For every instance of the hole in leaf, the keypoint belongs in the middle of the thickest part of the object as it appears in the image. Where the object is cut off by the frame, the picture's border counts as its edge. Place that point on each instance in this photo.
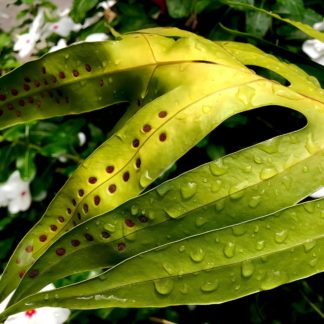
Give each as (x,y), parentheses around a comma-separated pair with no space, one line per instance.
(269,74)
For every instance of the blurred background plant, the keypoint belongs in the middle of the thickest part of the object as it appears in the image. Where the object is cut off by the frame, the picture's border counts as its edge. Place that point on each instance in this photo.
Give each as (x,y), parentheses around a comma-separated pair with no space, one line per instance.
(37,158)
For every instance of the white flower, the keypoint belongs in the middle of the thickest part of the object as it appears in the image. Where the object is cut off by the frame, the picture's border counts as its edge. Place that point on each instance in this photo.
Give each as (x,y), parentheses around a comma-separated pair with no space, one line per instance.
(82,138)
(96,37)
(26,42)
(15,194)
(315,48)
(48,315)
(60,44)
(64,26)
(318,194)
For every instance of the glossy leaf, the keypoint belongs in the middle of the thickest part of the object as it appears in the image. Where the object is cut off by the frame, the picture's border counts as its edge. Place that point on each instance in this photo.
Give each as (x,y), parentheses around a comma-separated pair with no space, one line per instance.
(212,267)
(193,85)
(236,188)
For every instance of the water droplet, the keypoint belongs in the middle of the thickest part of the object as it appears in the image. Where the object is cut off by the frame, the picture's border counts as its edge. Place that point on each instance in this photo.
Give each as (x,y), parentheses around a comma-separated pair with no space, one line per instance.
(287,181)
(172,211)
(217,168)
(182,248)
(239,230)
(46,297)
(260,245)
(270,146)
(110,227)
(310,208)
(169,268)
(257,159)
(164,286)
(267,173)
(188,190)
(219,205)
(254,201)
(134,210)
(145,179)
(216,185)
(197,254)
(309,245)
(206,109)
(288,94)
(162,190)
(281,236)
(305,169)
(247,268)
(273,279)
(236,192)
(245,95)
(311,147)
(229,249)
(200,221)
(210,286)
(247,168)
(184,289)
(313,262)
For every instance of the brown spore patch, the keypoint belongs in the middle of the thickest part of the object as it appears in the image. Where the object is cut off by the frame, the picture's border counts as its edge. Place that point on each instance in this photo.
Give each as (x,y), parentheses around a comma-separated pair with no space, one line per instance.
(26,87)
(147,128)
(21,102)
(138,163)
(43,238)
(61,219)
(75,73)
(143,218)
(37,83)
(136,142)
(10,106)
(18,113)
(85,208)
(129,223)
(14,91)
(27,79)
(126,176)
(60,251)
(81,192)
(3,97)
(29,248)
(163,114)
(75,243)
(105,234)
(110,169)
(162,137)
(69,211)
(53,228)
(101,83)
(43,70)
(88,237)
(1,112)
(21,274)
(61,75)
(112,188)
(96,200)
(121,246)
(92,180)
(73,202)
(88,67)
(33,273)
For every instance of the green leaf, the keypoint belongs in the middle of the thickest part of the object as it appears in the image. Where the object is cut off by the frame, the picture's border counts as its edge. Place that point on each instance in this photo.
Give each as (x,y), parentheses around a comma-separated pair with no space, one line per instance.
(213,267)
(257,23)
(26,165)
(80,9)
(180,8)
(231,190)
(308,30)
(294,8)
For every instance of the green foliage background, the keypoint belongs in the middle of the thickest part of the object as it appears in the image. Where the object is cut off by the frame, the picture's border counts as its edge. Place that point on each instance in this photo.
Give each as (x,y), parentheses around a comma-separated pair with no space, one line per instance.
(34,149)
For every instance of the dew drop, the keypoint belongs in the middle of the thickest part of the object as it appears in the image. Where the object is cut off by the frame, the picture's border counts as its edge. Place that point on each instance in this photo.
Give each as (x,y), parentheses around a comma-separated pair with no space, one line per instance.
(310,208)
(273,279)
(239,230)
(163,190)
(110,227)
(216,185)
(281,236)
(134,210)
(217,168)
(169,268)
(197,254)
(267,173)
(254,201)
(145,179)
(182,248)
(219,205)
(209,286)
(229,249)
(164,286)
(309,245)
(184,289)
(188,190)
(260,245)
(200,221)
(247,268)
